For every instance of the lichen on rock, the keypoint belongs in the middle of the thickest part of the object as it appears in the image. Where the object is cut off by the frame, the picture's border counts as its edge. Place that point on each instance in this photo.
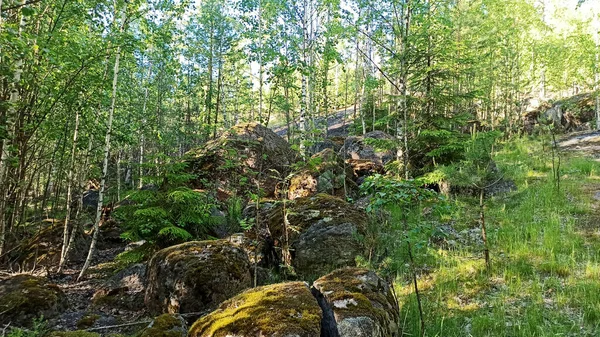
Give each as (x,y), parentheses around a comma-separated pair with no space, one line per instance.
(278,310)
(196,276)
(363,304)
(321,232)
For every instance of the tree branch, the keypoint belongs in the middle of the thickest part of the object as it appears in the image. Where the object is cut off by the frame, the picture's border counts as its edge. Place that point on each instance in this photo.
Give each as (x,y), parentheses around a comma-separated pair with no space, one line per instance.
(5,9)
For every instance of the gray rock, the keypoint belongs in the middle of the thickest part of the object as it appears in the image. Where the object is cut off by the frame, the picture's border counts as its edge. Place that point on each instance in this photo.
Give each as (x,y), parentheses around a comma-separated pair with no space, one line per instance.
(196,276)
(325,246)
(362,303)
(356,148)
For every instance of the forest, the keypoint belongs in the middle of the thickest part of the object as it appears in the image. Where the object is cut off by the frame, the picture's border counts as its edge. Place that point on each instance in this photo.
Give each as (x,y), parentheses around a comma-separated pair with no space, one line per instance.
(299,168)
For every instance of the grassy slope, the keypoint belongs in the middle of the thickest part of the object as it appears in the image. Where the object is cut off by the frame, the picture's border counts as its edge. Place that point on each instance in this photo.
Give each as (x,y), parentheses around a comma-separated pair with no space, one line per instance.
(545,249)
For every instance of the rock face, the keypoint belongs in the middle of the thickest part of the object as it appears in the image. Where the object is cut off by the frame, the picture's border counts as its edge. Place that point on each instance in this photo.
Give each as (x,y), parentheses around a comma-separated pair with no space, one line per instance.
(165,325)
(328,174)
(242,157)
(320,233)
(24,298)
(196,276)
(360,303)
(277,310)
(357,148)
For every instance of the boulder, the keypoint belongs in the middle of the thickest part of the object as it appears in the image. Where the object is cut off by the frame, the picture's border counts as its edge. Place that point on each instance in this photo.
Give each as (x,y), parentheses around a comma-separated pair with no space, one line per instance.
(124,290)
(357,303)
(278,310)
(319,232)
(165,325)
(24,298)
(324,246)
(573,113)
(333,143)
(246,155)
(196,276)
(327,173)
(43,249)
(360,148)
(364,167)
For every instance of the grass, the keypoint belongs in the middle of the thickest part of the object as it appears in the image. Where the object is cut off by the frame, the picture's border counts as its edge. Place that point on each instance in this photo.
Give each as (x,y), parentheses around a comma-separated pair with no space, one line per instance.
(545,250)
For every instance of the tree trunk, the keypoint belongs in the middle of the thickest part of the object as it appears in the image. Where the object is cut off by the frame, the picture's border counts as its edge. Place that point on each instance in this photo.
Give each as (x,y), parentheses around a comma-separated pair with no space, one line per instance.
(69,195)
(5,155)
(96,229)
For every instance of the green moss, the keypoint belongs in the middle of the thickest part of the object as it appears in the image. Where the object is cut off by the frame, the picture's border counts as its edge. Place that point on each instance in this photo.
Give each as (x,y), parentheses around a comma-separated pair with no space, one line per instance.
(164,326)
(87,321)
(304,212)
(282,309)
(78,333)
(368,300)
(25,295)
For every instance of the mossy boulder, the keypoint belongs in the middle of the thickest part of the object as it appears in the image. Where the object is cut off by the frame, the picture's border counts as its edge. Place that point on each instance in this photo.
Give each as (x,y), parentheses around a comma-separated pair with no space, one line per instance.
(373,146)
(320,232)
(44,247)
(196,276)
(166,325)
(278,310)
(246,155)
(24,298)
(361,303)
(326,173)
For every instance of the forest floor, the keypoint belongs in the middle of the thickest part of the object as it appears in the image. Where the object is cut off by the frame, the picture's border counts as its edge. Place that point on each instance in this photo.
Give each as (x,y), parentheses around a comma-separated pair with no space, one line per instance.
(544,278)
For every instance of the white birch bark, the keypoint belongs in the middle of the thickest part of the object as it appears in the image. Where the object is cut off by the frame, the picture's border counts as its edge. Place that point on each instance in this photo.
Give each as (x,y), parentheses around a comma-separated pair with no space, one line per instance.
(96,229)
(63,254)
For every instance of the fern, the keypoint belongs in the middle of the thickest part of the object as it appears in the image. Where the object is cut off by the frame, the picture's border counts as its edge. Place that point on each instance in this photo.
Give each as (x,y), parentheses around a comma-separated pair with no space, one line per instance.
(175,234)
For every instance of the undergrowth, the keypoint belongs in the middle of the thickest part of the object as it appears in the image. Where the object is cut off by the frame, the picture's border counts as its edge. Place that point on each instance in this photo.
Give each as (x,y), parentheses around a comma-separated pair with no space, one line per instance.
(545,256)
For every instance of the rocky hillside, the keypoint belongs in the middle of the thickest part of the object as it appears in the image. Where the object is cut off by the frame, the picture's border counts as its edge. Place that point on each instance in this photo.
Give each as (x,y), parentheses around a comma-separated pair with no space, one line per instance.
(304,228)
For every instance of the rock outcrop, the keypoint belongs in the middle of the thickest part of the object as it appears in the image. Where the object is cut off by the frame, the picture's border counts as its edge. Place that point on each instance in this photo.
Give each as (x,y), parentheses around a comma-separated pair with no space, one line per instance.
(24,298)
(357,147)
(360,303)
(315,234)
(573,113)
(278,310)
(196,276)
(327,173)
(246,155)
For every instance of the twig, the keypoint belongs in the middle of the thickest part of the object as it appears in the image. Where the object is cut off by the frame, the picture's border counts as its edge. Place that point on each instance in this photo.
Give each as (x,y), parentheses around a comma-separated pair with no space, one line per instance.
(6,9)
(118,325)
(4,330)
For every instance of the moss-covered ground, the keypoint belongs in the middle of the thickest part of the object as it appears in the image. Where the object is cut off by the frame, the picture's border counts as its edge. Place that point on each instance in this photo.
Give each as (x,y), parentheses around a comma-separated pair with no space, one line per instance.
(544,278)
